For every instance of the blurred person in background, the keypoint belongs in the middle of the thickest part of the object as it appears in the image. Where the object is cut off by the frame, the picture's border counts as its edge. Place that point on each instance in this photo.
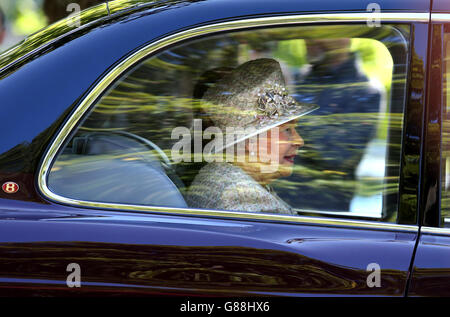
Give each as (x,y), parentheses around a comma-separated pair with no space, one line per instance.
(336,143)
(2,26)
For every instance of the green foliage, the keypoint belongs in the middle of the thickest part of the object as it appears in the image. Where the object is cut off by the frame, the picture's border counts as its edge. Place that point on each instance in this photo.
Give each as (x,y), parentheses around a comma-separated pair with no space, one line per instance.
(377,62)
(292,52)
(24,16)
(47,34)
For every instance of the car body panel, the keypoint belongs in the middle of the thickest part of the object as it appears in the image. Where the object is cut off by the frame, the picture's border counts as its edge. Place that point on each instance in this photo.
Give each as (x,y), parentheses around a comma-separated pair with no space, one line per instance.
(410,178)
(190,255)
(430,274)
(161,253)
(431,271)
(246,8)
(441,6)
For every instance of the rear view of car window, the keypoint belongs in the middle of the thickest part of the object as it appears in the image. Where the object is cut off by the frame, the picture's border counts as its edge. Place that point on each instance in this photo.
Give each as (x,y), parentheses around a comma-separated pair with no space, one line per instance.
(295,121)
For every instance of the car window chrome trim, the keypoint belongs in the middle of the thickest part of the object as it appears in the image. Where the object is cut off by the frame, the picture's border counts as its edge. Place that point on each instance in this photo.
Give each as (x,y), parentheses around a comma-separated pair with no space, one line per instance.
(144,52)
(249,216)
(435,231)
(440,17)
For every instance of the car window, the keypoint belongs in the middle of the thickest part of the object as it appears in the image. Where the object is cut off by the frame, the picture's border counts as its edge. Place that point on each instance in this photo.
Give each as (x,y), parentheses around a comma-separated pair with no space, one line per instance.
(296,120)
(445,161)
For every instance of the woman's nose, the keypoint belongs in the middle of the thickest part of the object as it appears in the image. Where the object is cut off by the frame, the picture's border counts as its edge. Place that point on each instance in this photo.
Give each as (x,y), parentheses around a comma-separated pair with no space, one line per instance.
(296,138)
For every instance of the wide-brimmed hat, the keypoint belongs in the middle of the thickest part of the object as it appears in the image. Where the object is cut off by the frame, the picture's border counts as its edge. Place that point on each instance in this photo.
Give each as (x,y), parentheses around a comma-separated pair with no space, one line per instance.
(252,97)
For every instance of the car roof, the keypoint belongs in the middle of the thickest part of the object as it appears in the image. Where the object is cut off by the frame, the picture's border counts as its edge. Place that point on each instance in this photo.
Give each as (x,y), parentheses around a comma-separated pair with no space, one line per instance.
(110,9)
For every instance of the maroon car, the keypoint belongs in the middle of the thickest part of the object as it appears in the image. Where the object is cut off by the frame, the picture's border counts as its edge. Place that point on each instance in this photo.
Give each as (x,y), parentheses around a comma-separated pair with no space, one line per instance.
(107,119)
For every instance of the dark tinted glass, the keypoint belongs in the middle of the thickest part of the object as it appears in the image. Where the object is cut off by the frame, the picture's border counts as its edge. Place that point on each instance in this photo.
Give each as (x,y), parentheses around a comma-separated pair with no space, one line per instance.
(308,118)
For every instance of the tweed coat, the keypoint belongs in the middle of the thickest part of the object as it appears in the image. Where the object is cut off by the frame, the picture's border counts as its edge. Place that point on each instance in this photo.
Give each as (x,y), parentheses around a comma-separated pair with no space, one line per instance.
(224,186)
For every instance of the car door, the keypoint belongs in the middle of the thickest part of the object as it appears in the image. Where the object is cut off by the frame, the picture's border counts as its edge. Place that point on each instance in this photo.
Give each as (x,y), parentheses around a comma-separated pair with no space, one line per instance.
(117,213)
(430,275)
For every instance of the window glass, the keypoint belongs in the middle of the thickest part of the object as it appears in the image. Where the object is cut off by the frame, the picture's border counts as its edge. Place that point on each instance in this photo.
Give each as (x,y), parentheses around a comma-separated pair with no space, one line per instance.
(445,162)
(299,121)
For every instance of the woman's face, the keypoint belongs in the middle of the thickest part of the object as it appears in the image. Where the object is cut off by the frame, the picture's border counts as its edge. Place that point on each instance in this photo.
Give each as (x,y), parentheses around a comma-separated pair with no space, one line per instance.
(287,144)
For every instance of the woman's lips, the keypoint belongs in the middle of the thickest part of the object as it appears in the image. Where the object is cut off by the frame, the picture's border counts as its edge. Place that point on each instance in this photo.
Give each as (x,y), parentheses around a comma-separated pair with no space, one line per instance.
(290,158)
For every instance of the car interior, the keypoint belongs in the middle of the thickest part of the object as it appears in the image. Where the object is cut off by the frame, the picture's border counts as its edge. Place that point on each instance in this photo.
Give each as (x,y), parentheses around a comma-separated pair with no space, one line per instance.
(117,167)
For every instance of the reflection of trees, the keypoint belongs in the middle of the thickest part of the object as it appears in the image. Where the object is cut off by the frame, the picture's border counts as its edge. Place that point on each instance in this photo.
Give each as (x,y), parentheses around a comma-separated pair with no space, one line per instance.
(57,9)
(211,268)
(157,96)
(444,64)
(50,33)
(344,154)
(431,281)
(410,165)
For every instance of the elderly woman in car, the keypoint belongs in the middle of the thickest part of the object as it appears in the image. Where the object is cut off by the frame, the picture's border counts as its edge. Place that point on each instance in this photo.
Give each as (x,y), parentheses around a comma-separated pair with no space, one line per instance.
(251,99)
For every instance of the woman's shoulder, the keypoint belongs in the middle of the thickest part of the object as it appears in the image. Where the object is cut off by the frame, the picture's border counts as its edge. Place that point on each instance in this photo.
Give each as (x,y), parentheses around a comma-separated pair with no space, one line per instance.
(225,170)
(227,187)
(215,179)
(219,176)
